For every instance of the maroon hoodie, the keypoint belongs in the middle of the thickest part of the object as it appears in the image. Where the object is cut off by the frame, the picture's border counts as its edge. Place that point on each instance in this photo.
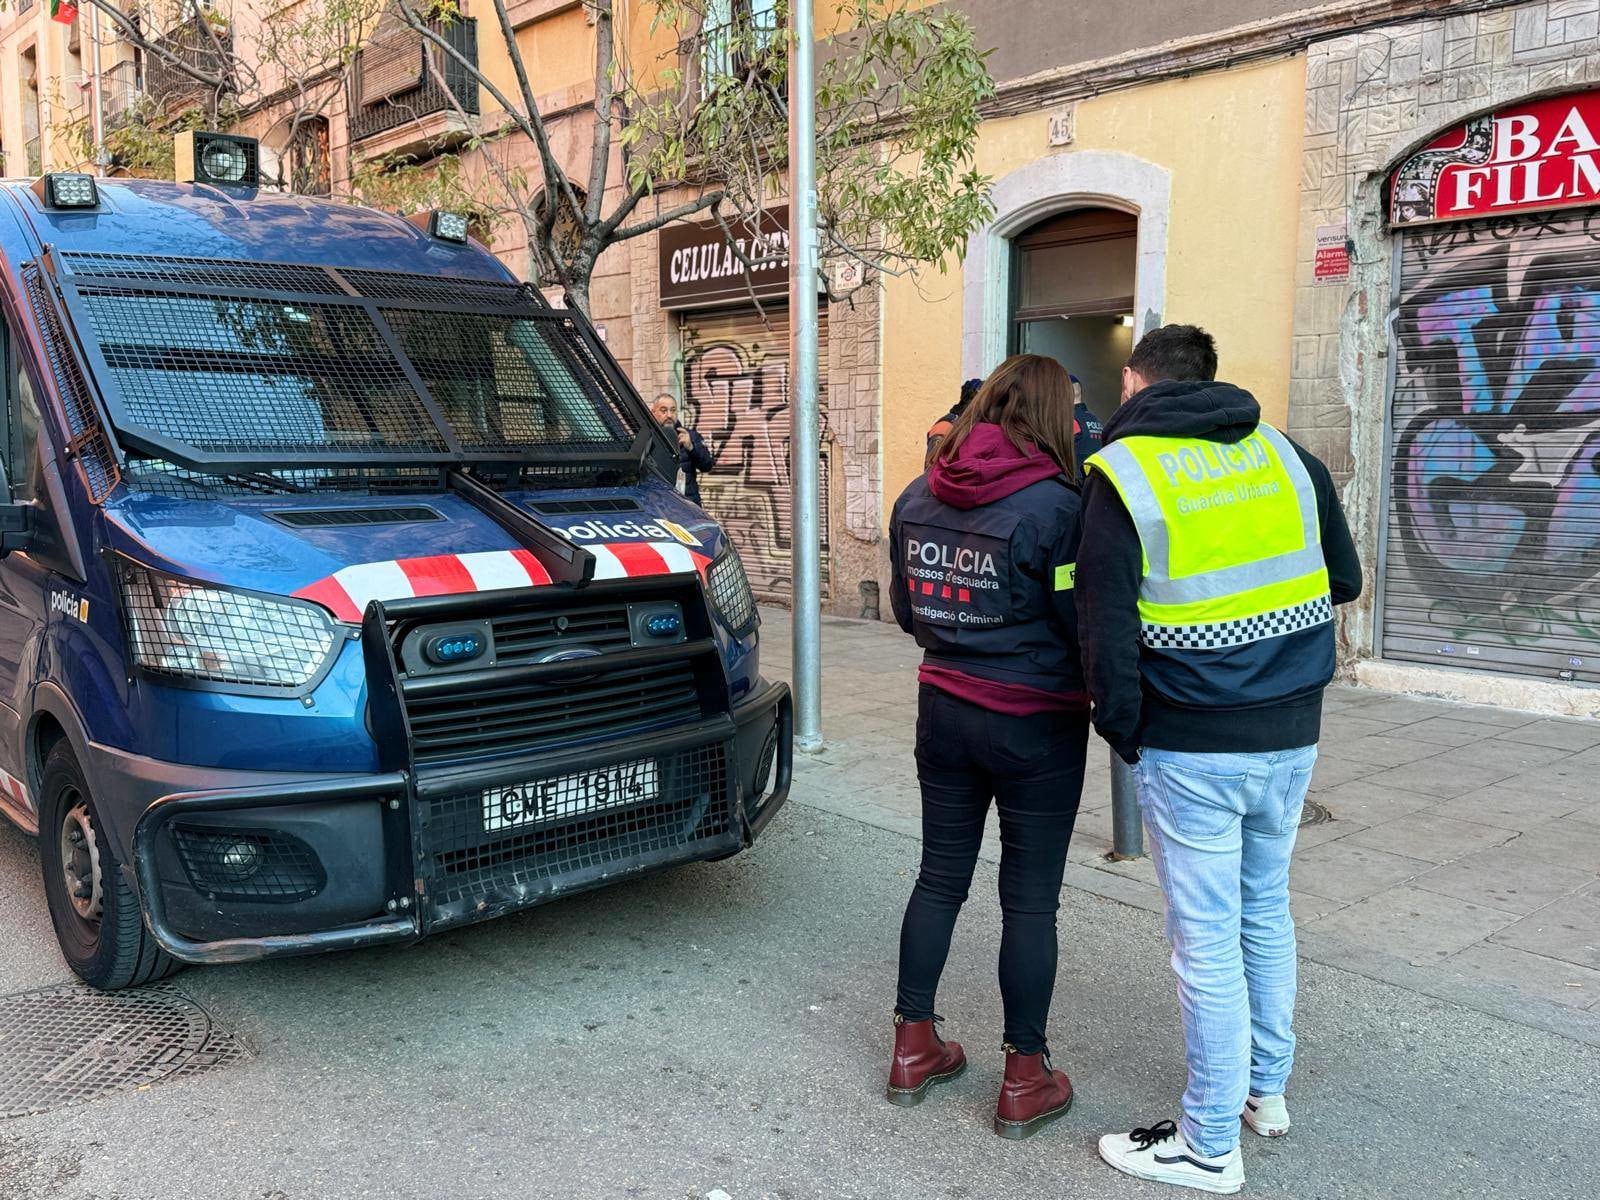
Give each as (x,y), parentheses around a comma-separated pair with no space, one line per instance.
(987,468)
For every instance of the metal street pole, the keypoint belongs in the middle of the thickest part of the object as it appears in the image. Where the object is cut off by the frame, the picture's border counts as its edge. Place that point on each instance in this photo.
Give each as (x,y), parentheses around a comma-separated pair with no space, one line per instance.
(1127,827)
(803,439)
(96,99)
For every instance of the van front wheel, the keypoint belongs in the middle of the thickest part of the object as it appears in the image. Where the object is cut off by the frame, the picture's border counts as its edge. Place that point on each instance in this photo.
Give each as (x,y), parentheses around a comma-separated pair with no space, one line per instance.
(96,916)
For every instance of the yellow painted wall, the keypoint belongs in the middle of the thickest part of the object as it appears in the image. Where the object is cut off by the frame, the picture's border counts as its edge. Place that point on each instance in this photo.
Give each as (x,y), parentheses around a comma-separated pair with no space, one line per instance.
(557,50)
(1231,141)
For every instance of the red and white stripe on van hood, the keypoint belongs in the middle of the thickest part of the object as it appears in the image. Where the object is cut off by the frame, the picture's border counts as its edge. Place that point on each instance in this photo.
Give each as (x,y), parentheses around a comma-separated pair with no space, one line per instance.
(348,590)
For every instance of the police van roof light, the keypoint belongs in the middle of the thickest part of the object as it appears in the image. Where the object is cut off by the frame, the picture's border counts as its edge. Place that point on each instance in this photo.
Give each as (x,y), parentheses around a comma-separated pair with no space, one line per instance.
(68,189)
(448,226)
(219,159)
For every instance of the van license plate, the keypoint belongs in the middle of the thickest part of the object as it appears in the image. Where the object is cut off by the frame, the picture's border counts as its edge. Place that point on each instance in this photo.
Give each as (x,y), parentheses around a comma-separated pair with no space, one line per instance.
(567,796)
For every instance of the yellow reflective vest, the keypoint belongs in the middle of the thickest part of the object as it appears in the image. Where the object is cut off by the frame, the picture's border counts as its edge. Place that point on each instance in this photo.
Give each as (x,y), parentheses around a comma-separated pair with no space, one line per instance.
(1231,539)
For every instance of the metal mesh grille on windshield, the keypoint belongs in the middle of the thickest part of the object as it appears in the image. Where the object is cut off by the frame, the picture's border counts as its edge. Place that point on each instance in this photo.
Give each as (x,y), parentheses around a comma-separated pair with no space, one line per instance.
(208,272)
(263,367)
(249,375)
(503,382)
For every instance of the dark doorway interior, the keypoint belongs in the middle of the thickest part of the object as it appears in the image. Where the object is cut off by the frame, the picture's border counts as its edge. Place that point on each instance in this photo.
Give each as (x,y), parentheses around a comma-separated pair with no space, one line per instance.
(1072,297)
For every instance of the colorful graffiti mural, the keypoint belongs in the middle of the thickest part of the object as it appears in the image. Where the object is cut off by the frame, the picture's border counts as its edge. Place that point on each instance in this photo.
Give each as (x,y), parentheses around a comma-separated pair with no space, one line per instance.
(736,394)
(1495,489)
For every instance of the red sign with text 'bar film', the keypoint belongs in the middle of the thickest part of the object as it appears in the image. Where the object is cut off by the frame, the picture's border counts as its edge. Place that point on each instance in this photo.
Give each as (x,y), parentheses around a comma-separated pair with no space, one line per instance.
(1540,155)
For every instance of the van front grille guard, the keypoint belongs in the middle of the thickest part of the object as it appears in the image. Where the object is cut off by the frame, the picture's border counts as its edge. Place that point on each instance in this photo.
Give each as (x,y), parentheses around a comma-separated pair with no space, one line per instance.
(440,869)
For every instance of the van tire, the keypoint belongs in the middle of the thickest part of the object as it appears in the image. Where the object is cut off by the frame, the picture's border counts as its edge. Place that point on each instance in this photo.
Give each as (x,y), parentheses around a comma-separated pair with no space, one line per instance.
(98,924)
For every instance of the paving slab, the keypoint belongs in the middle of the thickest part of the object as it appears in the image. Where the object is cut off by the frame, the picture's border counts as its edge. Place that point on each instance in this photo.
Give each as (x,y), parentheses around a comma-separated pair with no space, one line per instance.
(1506,877)
(1566,843)
(1532,801)
(1438,777)
(1446,730)
(1340,871)
(1564,735)
(1555,980)
(1475,714)
(1391,749)
(1568,929)
(1431,837)
(1420,926)
(1366,802)
(1508,758)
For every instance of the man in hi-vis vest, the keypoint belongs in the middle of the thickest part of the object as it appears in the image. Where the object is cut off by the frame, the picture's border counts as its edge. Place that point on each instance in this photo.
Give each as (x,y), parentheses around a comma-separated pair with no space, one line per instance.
(1213,552)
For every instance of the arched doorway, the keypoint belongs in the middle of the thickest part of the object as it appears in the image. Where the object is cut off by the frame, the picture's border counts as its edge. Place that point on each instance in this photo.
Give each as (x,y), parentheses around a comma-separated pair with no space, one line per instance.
(1072,298)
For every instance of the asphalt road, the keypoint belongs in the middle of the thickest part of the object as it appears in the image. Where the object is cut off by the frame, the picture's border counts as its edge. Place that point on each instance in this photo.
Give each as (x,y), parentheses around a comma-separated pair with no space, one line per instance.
(725,1027)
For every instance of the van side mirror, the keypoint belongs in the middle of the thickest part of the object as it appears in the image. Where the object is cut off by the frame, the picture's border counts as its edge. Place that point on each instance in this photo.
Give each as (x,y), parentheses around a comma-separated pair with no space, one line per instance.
(16,519)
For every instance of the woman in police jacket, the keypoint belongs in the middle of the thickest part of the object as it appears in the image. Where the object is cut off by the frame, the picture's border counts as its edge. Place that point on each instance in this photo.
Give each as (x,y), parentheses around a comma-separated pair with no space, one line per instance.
(983,550)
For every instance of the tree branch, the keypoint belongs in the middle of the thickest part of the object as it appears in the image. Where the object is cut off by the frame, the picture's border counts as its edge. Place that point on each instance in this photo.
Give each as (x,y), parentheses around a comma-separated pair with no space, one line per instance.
(130,30)
(554,176)
(604,94)
(687,209)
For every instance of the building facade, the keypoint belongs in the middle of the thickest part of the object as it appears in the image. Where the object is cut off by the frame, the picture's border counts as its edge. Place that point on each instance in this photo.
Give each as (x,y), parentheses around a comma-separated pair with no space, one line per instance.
(1453,377)
(1270,172)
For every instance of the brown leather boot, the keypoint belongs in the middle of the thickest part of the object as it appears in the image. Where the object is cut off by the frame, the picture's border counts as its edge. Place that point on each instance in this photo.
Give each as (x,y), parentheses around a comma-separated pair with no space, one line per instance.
(1033,1094)
(921,1059)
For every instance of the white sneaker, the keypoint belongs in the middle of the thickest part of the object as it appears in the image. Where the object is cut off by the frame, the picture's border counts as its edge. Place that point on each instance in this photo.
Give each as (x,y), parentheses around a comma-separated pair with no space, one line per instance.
(1267,1115)
(1160,1154)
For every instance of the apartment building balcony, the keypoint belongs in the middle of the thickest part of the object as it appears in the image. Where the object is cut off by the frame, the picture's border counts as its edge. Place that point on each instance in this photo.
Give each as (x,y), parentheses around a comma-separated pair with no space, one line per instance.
(204,43)
(732,49)
(408,95)
(120,93)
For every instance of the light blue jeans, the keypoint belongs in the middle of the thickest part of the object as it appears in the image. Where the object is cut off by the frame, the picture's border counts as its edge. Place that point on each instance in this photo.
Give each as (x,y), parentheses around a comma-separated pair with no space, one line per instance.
(1222,827)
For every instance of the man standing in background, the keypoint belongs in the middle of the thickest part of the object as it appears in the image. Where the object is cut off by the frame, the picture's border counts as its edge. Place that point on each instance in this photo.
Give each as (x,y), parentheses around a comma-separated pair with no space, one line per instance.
(1213,552)
(941,428)
(693,456)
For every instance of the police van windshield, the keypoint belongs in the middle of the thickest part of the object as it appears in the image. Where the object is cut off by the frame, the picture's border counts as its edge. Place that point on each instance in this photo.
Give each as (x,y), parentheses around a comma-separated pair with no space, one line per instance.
(227,381)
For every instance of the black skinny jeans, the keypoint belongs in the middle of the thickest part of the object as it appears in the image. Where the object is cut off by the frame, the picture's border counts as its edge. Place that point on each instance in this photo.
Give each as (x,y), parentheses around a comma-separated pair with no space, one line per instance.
(1033,768)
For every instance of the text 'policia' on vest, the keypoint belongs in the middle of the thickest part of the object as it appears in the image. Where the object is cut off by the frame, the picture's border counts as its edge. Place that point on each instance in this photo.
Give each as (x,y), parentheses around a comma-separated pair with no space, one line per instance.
(1233,525)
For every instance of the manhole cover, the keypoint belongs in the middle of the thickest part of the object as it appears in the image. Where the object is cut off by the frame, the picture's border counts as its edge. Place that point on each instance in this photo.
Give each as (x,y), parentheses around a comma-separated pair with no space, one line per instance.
(67,1044)
(1314,814)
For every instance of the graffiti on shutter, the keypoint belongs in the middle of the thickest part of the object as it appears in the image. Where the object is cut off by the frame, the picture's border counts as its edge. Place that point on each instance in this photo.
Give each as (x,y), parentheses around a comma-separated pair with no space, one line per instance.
(1494,489)
(736,394)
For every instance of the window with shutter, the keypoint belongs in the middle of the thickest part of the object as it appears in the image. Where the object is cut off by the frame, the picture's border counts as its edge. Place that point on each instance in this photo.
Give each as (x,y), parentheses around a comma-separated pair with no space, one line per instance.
(391,64)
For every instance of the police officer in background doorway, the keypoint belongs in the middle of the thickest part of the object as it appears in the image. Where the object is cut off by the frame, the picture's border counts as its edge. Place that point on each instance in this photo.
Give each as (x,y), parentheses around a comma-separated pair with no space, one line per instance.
(1214,550)
(693,456)
(1087,431)
(982,549)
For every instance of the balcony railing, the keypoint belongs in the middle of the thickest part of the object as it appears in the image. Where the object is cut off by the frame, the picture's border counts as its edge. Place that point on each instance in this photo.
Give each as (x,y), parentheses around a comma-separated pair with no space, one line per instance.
(400,78)
(119,92)
(731,50)
(196,43)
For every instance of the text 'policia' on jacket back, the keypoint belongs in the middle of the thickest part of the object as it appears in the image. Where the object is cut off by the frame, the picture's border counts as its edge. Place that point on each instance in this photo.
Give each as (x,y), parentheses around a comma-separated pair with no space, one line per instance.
(344,597)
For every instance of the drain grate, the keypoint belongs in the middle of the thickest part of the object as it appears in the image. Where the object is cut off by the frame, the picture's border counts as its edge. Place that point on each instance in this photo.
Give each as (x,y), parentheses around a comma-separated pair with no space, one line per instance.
(67,1044)
(1314,814)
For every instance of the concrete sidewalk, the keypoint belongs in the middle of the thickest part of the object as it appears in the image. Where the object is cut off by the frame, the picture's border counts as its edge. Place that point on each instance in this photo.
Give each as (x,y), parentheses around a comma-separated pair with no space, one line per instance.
(1449,849)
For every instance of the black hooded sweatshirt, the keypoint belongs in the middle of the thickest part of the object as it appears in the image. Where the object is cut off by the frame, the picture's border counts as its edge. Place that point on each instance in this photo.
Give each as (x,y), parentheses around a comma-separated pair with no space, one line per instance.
(1127,713)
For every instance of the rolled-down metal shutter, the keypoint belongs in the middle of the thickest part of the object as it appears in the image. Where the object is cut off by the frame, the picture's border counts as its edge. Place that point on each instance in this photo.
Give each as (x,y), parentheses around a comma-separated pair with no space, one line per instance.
(736,393)
(1493,521)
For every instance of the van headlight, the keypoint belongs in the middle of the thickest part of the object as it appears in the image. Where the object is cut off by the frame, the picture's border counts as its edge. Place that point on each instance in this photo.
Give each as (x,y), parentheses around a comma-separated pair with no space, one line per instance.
(189,630)
(729,588)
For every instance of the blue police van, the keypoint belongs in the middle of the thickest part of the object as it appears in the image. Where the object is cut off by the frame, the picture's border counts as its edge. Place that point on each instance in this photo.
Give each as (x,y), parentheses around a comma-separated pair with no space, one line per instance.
(345,595)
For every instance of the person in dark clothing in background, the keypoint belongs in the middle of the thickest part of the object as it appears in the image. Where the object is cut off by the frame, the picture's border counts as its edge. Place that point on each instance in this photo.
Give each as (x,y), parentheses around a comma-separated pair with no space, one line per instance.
(693,457)
(1087,431)
(1214,550)
(940,429)
(982,550)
